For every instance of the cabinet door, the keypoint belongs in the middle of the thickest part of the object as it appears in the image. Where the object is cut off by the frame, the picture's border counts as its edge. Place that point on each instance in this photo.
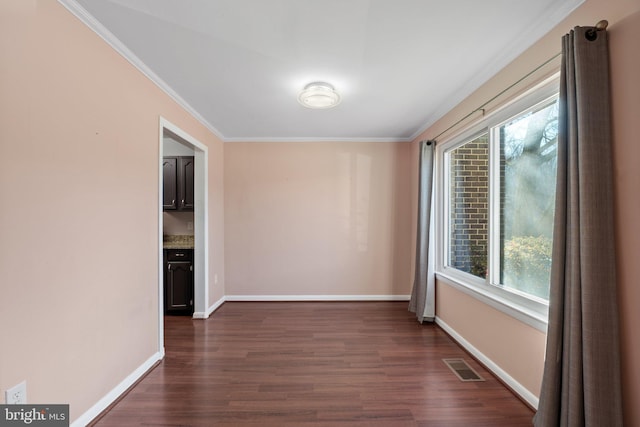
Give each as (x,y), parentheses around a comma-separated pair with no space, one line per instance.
(187,169)
(169,183)
(179,287)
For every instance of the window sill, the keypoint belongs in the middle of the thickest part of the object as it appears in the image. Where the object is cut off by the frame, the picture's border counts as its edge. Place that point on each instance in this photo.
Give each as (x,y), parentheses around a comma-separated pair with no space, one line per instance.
(519,312)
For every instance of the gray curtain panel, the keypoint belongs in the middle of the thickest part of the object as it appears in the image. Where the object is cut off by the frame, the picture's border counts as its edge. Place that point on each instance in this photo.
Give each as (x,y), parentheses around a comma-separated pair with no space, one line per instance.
(581,381)
(422,301)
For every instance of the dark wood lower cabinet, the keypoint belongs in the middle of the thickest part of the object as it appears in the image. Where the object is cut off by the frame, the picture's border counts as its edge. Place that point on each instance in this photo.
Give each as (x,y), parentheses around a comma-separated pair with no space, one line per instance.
(178,281)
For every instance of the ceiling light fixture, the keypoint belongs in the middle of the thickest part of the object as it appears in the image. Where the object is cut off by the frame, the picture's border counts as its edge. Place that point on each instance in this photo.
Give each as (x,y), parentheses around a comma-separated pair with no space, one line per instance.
(319,95)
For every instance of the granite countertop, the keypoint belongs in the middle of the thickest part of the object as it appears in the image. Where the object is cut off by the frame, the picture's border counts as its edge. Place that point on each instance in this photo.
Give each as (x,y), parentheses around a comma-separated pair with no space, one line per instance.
(177,242)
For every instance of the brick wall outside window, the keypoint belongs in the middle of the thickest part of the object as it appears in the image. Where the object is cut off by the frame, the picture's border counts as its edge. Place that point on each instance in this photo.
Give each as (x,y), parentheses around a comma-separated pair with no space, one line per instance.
(469,206)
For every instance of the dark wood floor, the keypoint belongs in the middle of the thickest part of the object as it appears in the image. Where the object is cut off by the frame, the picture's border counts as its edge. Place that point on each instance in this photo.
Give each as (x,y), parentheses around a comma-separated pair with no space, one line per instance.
(312,364)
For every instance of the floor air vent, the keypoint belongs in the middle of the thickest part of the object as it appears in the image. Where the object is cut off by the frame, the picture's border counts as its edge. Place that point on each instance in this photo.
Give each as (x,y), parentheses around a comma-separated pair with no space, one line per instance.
(463,371)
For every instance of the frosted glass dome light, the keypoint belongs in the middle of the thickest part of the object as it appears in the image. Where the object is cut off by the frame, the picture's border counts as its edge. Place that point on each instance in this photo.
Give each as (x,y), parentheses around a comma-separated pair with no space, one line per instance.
(319,95)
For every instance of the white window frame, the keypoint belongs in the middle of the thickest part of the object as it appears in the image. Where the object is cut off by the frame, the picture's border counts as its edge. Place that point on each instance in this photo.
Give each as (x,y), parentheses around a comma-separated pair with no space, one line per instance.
(526,308)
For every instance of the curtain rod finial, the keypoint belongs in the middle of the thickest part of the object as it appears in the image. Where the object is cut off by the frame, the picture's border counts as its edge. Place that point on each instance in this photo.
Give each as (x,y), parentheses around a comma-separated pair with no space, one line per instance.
(602,25)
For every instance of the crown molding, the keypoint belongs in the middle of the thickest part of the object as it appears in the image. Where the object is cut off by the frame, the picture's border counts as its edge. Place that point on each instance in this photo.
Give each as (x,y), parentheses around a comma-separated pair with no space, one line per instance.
(316,139)
(86,18)
(90,21)
(527,38)
(517,47)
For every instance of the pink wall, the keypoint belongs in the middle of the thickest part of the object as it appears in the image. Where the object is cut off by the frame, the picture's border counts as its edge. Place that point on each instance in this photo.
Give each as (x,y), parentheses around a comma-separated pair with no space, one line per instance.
(79,224)
(79,148)
(495,333)
(625,86)
(523,343)
(317,218)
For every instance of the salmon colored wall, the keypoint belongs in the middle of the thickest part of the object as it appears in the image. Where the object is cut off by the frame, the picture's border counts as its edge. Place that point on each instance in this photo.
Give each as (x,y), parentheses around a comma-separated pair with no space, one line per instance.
(472,319)
(317,218)
(79,155)
(490,341)
(625,86)
(79,224)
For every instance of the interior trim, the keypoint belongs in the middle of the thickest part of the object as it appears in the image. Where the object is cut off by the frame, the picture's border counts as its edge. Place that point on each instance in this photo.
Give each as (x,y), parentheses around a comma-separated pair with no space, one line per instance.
(93,24)
(86,18)
(530,398)
(528,317)
(317,298)
(117,391)
(205,315)
(516,48)
(311,139)
(201,223)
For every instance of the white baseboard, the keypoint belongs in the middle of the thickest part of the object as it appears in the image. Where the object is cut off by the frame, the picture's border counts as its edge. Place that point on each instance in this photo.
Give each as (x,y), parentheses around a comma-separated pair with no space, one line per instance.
(117,391)
(114,394)
(317,297)
(518,388)
(214,307)
(267,298)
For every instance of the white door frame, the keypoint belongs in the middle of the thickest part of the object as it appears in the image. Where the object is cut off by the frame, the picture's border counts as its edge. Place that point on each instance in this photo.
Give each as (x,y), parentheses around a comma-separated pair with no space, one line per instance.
(201,228)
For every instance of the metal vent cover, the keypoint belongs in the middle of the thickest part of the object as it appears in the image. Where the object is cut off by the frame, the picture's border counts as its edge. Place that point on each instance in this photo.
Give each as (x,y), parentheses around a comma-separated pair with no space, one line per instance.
(463,371)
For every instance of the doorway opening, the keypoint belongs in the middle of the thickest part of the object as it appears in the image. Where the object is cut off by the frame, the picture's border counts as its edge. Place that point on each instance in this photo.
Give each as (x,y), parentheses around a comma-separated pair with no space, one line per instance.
(175,142)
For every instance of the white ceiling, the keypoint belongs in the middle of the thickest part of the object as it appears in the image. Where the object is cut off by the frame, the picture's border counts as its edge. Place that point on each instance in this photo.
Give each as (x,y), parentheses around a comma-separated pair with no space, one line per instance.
(399,65)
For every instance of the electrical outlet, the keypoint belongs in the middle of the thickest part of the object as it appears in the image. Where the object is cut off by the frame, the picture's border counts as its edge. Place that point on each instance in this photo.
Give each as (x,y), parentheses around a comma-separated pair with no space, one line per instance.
(215,279)
(190,225)
(16,395)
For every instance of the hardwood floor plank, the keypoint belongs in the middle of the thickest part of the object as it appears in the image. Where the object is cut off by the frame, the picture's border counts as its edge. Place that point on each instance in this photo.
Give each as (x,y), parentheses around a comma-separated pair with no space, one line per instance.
(312,364)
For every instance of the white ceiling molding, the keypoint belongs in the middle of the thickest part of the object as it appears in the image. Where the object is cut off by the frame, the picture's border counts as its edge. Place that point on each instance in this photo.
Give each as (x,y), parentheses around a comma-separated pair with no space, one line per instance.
(312,139)
(87,19)
(515,48)
(240,64)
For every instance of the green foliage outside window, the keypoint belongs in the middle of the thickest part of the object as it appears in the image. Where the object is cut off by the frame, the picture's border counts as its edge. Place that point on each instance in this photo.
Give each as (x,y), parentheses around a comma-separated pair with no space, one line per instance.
(527,262)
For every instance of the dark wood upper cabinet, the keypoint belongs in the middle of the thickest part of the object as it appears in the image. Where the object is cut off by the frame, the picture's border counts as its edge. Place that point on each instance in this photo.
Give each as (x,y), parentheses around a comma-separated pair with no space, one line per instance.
(187,171)
(169,183)
(177,181)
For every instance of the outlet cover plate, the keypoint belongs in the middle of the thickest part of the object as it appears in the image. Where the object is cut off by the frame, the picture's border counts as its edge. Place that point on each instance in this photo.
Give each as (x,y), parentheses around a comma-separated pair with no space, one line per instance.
(16,395)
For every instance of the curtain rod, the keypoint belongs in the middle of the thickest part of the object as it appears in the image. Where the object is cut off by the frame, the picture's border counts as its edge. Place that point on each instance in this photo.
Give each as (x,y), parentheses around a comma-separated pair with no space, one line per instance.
(481,108)
(600,26)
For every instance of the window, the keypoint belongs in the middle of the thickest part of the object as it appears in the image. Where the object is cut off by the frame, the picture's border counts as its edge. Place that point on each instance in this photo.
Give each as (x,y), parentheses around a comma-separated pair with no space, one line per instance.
(527,199)
(496,188)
